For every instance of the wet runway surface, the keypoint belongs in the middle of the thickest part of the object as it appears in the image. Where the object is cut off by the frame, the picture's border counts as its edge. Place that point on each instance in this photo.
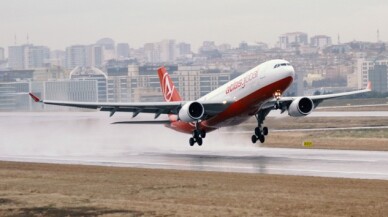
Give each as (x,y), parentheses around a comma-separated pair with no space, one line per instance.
(89,139)
(325,163)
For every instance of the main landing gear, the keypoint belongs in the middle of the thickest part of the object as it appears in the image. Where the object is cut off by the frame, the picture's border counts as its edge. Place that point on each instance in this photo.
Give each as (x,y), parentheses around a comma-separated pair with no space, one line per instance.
(260,131)
(198,136)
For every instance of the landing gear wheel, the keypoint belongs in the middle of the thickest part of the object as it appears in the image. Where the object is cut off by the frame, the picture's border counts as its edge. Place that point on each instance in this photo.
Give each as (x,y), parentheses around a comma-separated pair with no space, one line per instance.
(191,141)
(199,141)
(265,131)
(257,131)
(254,139)
(203,133)
(262,138)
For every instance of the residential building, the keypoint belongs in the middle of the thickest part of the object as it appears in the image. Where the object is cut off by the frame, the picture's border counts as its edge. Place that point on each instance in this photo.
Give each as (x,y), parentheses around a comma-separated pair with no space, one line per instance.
(152,53)
(291,40)
(365,67)
(183,49)
(92,74)
(28,56)
(38,57)
(378,76)
(76,56)
(17,56)
(167,50)
(95,56)
(16,75)
(321,41)
(70,90)
(14,97)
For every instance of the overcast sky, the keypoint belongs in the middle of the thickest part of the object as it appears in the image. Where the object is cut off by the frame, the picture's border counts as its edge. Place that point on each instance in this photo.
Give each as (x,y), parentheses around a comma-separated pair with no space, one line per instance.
(60,23)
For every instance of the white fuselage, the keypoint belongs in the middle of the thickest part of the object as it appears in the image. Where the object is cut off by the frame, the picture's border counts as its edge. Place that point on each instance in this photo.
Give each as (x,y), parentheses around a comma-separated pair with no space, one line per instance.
(245,95)
(251,81)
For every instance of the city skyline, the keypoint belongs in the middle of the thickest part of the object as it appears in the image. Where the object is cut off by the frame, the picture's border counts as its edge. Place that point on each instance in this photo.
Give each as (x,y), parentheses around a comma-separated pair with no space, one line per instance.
(63,23)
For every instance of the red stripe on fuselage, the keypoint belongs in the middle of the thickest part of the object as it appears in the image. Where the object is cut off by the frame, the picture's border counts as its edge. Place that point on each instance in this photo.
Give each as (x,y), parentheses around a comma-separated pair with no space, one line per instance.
(239,111)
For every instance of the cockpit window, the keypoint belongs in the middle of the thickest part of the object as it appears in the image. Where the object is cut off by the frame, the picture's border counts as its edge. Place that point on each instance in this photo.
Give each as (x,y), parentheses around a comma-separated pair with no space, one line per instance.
(281,64)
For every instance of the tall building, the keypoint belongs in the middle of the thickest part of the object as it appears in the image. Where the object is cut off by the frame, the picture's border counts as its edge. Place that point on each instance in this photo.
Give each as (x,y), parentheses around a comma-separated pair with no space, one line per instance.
(38,57)
(167,50)
(2,55)
(95,56)
(320,41)
(293,39)
(75,56)
(16,56)
(365,68)
(183,49)
(152,53)
(378,77)
(122,50)
(28,56)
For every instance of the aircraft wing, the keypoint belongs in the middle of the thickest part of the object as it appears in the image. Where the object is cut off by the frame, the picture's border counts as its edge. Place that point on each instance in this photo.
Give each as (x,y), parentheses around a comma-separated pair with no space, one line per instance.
(286,101)
(158,108)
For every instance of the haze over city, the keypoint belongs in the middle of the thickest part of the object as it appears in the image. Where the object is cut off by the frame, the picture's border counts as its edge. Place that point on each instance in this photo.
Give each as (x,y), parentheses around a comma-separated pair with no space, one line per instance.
(57,24)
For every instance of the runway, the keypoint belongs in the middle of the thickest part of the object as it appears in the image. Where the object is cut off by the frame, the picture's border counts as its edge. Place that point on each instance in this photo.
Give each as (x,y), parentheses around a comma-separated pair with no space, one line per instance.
(324,163)
(88,138)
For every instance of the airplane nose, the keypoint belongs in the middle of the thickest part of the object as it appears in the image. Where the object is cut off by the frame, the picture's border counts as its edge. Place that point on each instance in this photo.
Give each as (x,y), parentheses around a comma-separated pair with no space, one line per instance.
(291,72)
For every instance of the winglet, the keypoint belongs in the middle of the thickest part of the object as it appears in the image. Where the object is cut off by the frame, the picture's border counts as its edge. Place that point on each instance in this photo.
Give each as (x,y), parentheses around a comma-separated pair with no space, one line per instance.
(369,86)
(35,98)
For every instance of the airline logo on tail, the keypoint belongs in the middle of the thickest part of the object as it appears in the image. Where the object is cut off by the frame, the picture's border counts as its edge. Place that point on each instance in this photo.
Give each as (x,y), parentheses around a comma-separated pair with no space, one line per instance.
(168,88)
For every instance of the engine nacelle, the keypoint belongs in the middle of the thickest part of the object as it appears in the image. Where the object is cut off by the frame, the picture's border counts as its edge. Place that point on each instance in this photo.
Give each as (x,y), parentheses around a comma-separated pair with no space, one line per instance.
(191,111)
(300,107)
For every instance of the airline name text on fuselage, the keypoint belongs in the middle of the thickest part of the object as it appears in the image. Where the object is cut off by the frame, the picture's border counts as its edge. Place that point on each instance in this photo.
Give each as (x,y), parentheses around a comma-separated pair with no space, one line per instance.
(242,82)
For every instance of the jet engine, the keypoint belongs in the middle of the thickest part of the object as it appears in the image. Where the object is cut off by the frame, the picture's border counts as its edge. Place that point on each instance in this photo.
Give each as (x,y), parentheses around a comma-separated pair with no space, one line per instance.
(191,111)
(301,106)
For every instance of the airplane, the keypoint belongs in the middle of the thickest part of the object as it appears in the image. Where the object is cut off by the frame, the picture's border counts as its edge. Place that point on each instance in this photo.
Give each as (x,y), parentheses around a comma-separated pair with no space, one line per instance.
(254,93)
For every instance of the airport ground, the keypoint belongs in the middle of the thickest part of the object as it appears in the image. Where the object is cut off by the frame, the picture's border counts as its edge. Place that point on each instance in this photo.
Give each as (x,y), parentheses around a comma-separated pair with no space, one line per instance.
(30,189)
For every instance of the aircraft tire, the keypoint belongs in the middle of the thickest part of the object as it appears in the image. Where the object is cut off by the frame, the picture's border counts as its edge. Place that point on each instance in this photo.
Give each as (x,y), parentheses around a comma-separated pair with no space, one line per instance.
(199,141)
(262,138)
(254,139)
(257,131)
(265,131)
(191,141)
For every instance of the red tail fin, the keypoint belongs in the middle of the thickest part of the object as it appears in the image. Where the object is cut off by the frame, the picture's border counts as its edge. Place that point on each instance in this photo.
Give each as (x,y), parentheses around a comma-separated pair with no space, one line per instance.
(170,93)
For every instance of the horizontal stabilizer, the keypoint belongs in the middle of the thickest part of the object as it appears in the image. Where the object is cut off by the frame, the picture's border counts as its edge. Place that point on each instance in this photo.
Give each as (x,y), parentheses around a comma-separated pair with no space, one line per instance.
(144,122)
